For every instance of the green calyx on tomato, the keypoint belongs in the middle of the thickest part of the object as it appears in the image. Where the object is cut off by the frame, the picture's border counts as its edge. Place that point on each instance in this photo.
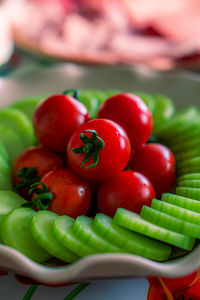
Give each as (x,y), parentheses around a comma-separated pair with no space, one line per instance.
(43,199)
(27,176)
(91,147)
(72,92)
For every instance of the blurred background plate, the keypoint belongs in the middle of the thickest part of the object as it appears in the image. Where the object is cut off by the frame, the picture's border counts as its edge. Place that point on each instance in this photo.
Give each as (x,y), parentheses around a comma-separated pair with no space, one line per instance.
(183,88)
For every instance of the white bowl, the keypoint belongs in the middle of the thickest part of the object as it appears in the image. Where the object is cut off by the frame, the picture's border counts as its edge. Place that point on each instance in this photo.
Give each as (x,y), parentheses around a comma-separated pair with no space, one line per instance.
(183,88)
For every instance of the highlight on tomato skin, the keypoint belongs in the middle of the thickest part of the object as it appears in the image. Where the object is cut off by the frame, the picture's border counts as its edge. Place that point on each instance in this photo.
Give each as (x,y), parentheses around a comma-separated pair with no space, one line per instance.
(111,157)
(157,163)
(71,195)
(132,113)
(56,118)
(128,189)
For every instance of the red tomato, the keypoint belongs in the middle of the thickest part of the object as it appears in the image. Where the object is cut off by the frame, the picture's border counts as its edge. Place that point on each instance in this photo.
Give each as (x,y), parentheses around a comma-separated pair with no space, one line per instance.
(106,151)
(42,159)
(157,163)
(71,195)
(132,114)
(56,119)
(128,189)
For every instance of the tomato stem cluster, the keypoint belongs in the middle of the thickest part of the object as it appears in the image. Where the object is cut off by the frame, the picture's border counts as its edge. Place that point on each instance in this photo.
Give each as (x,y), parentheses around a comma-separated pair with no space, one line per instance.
(73,92)
(91,147)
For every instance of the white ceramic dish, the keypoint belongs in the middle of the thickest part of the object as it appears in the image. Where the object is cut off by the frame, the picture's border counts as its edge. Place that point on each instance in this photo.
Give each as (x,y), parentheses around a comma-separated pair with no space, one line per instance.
(184,90)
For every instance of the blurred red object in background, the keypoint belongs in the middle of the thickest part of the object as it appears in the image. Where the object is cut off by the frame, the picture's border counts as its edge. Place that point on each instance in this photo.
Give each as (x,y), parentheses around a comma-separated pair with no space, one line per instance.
(161,34)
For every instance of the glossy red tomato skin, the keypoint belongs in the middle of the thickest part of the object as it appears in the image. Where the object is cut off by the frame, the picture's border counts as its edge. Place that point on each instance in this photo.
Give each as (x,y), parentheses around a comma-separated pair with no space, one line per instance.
(113,158)
(55,120)
(130,190)
(71,195)
(157,163)
(39,157)
(132,114)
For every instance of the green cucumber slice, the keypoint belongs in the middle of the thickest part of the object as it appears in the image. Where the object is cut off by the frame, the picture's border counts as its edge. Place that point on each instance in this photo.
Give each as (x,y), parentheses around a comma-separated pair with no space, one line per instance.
(175,211)
(19,122)
(172,223)
(179,122)
(28,105)
(131,242)
(187,131)
(12,142)
(4,153)
(15,229)
(132,221)
(187,145)
(84,231)
(9,201)
(187,155)
(62,230)
(181,201)
(41,229)
(189,183)
(5,175)
(148,99)
(191,176)
(164,110)
(192,193)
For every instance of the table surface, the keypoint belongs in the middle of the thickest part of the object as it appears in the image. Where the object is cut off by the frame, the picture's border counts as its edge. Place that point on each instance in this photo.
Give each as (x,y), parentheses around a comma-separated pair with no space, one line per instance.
(127,289)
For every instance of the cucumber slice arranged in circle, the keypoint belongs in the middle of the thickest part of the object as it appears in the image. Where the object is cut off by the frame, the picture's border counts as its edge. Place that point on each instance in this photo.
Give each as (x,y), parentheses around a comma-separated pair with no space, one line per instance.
(16,234)
(4,153)
(175,211)
(83,229)
(191,176)
(189,192)
(181,201)
(19,122)
(62,229)
(134,222)
(131,242)
(189,183)
(9,201)
(12,142)
(5,175)
(28,105)
(172,223)
(41,229)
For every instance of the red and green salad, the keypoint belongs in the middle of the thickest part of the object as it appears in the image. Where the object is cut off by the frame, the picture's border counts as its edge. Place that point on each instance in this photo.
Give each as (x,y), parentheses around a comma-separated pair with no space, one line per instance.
(91,172)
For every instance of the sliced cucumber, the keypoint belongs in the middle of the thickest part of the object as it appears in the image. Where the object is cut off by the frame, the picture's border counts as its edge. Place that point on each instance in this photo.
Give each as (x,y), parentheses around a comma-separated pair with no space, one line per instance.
(164,110)
(41,229)
(84,231)
(12,142)
(132,221)
(4,153)
(15,229)
(191,176)
(28,105)
(187,155)
(9,201)
(189,183)
(179,122)
(19,122)
(192,193)
(62,229)
(172,223)
(187,145)
(131,242)
(5,175)
(175,211)
(181,201)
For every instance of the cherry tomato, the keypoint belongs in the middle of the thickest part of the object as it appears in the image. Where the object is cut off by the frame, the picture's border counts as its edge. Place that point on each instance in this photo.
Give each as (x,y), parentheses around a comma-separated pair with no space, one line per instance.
(128,189)
(42,159)
(157,163)
(71,195)
(132,114)
(55,120)
(98,150)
